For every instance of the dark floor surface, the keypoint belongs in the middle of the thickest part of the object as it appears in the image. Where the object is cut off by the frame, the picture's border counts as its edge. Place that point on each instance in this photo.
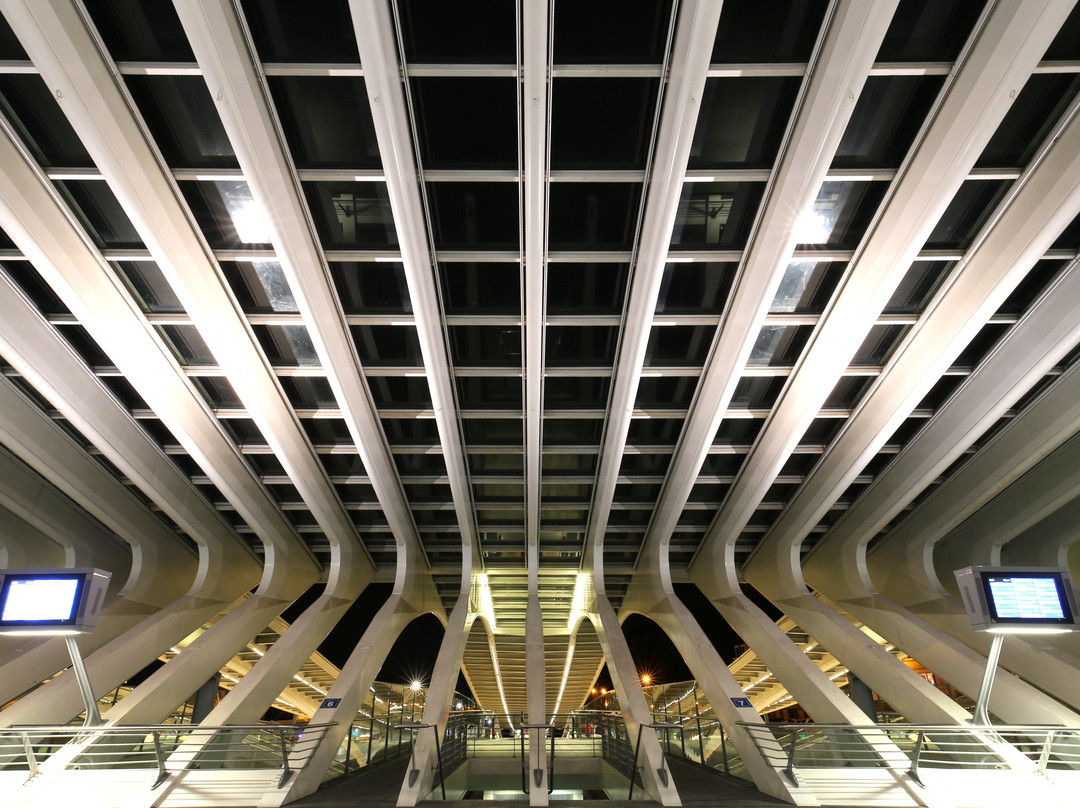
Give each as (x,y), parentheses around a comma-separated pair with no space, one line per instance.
(699,788)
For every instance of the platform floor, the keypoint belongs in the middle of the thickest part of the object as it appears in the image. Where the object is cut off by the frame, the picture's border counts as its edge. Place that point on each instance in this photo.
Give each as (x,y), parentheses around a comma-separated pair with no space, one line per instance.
(699,788)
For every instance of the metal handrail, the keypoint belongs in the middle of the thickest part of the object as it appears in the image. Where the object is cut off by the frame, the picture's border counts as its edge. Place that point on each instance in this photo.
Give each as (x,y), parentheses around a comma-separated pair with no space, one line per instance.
(125,746)
(921,745)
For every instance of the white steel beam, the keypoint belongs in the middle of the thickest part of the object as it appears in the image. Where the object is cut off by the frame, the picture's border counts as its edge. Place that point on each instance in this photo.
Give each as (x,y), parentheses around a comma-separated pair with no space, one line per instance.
(1006,47)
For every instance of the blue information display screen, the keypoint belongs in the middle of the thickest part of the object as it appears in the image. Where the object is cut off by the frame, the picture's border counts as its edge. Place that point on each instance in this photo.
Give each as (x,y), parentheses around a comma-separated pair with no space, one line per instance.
(39,600)
(1027,598)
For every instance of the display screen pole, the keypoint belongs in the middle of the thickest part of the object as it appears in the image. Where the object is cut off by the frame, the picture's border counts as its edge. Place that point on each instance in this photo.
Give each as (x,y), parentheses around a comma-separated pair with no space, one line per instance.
(93,717)
(982,715)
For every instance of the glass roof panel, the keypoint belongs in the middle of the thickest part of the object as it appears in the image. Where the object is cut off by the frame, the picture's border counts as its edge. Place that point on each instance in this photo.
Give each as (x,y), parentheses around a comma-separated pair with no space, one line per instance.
(601,123)
(288,345)
(480,288)
(101,213)
(840,214)
(489,392)
(665,391)
(228,215)
(592,215)
(182,117)
(371,287)
(574,392)
(466,122)
(285,31)
(779,344)
(260,286)
(929,32)
(32,111)
(482,345)
(742,121)
(27,278)
(477,32)
(967,212)
(326,120)
(768,31)
(886,119)
(807,287)
(701,287)
(716,214)
(351,214)
(387,345)
(135,31)
(10,47)
(399,391)
(1030,118)
(308,392)
(150,287)
(920,282)
(218,392)
(610,31)
(574,288)
(474,214)
(679,345)
(580,345)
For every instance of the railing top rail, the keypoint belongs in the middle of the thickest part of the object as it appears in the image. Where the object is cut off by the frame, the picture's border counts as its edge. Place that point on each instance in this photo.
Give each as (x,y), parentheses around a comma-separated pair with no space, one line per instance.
(959,728)
(64,729)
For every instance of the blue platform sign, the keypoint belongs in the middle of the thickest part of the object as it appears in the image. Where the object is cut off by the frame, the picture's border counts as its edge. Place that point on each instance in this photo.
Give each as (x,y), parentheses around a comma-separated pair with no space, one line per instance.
(741,702)
(329,704)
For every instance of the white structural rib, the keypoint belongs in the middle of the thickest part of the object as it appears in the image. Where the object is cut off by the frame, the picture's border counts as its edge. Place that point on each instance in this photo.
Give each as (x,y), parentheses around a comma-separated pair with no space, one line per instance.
(534,121)
(1028,221)
(1006,47)
(819,119)
(62,44)
(228,64)
(377,43)
(694,37)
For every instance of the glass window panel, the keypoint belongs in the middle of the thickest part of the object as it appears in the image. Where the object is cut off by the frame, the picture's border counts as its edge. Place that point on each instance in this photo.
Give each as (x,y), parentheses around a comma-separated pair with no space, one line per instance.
(509,432)
(807,287)
(981,344)
(601,123)
(565,463)
(219,393)
(501,464)
(564,432)
(187,344)
(411,430)
(756,392)
(679,345)
(28,279)
(351,214)
(1030,117)
(654,430)
(227,213)
(580,345)
(879,344)
(1066,44)
(742,121)
(665,391)
(474,214)
(127,394)
(919,284)
(929,32)
(495,392)
(472,345)
(327,121)
(716,214)
(149,286)
(181,116)
(848,391)
(260,286)
(242,430)
(107,223)
(287,344)
(768,31)
(701,287)
(840,214)
(603,31)
(779,344)
(574,392)
(387,344)
(940,392)
(1037,279)
(136,31)
(592,215)
(481,288)
(10,48)
(633,463)
(399,391)
(370,287)
(287,31)
(738,431)
(967,212)
(466,122)
(886,119)
(34,114)
(308,392)
(822,431)
(574,288)
(477,32)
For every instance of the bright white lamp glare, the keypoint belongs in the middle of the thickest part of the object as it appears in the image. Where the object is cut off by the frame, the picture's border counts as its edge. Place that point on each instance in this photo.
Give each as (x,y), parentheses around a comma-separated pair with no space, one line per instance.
(41,599)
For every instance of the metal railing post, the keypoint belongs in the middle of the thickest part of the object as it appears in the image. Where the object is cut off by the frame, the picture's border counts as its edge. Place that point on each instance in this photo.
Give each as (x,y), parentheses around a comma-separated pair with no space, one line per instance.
(28,749)
(286,773)
(1044,755)
(633,766)
(700,740)
(723,750)
(789,770)
(348,749)
(913,772)
(551,776)
(160,755)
